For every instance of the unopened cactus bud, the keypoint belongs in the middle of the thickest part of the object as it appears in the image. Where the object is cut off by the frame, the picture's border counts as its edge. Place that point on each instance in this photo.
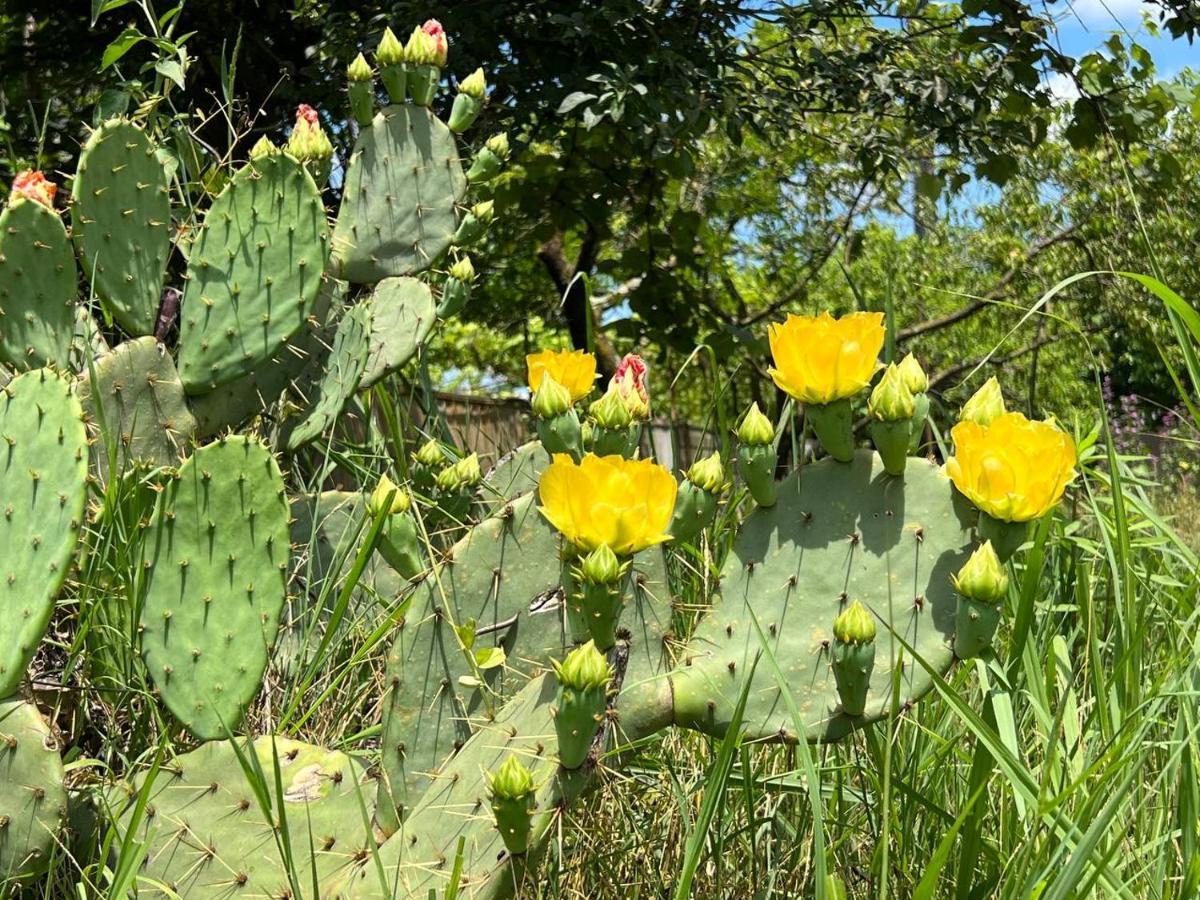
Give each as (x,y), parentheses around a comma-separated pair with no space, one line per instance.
(423,52)
(361,89)
(461,476)
(391,57)
(419,50)
(489,160)
(472,91)
(551,398)
(582,684)
(982,576)
(263,147)
(600,580)
(602,566)
(708,474)
(498,144)
(309,144)
(985,406)
(33,185)
(630,379)
(755,428)
(855,625)
(914,376)
(400,544)
(610,411)
(853,657)
(891,400)
(513,801)
(441,45)
(456,290)
(462,269)
(484,211)
(386,487)
(474,85)
(474,223)
(430,454)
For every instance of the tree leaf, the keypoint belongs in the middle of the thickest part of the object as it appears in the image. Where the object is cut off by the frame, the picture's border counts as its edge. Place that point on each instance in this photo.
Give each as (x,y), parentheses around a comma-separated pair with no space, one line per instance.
(122,44)
(572,100)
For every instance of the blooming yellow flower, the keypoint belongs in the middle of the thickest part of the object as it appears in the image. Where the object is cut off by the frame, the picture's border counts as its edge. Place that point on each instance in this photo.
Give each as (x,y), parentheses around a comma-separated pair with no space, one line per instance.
(626,504)
(573,369)
(1014,469)
(820,359)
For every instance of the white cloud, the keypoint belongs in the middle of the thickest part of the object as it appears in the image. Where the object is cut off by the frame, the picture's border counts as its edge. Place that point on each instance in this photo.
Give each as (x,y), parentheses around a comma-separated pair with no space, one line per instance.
(1063,88)
(1105,13)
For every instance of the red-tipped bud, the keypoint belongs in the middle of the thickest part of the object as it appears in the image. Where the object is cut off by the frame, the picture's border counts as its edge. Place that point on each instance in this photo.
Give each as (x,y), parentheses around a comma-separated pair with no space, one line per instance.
(630,379)
(434,29)
(32,185)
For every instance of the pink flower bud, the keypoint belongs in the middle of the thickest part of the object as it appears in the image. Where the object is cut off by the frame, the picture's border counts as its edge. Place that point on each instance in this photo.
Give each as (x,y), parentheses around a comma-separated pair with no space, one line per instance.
(434,29)
(33,185)
(630,379)
(305,113)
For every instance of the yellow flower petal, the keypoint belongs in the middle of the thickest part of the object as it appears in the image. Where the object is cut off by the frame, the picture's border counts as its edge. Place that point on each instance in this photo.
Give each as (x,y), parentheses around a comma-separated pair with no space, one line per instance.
(573,369)
(820,359)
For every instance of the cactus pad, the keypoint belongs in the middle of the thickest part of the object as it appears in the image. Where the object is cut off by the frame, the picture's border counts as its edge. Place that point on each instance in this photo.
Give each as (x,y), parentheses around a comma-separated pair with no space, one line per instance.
(515,473)
(208,837)
(121,222)
(141,404)
(37,286)
(840,532)
(330,389)
(402,315)
(254,272)
(398,212)
(218,559)
(43,473)
(33,802)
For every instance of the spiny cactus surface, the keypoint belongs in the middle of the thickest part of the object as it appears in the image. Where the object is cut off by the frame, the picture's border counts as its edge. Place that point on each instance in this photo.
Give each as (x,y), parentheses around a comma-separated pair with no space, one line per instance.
(133,396)
(217,554)
(254,272)
(207,835)
(402,315)
(37,286)
(33,802)
(43,485)
(398,213)
(121,222)
(337,381)
(840,532)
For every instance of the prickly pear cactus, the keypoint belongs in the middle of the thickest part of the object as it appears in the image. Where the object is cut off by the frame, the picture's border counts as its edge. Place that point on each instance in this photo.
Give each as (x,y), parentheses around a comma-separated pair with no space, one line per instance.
(505,576)
(33,802)
(207,835)
(403,183)
(254,272)
(43,485)
(840,532)
(37,286)
(133,395)
(402,315)
(217,555)
(515,473)
(336,383)
(121,222)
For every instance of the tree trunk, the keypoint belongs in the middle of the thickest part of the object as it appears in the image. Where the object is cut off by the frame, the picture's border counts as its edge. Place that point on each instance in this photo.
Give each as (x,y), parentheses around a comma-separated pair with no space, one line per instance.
(575,307)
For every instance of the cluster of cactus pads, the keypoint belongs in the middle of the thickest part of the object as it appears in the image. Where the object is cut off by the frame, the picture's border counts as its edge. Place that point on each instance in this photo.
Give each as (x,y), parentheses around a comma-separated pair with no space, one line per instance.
(525,651)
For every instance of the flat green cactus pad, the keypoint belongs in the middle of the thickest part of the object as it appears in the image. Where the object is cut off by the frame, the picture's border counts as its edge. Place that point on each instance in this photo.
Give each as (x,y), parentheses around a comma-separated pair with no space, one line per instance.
(207,835)
(218,559)
(840,532)
(43,485)
(505,574)
(403,185)
(142,411)
(121,222)
(515,473)
(33,802)
(331,388)
(37,286)
(254,273)
(402,315)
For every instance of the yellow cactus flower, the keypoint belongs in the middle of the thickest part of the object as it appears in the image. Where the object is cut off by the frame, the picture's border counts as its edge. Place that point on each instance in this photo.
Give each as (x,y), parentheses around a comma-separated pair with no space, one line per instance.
(573,369)
(820,359)
(1014,470)
(626,504)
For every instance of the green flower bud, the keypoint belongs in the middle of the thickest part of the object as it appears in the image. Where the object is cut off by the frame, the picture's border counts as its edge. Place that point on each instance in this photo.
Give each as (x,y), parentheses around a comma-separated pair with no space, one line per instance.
(400,498)
(512,781)
(463,270)
(463,474)
(498,144)
(584,668)
(263,147)
(421,48)
(359,70)
(390,51)
(485,211)
(914,376)
(891,401)
(308,141)
(551,398)
(610,410)
(708,474)
(982,577)
(430,455)
(755,428)
(602,566)
(474,85)
(985,405)
(855,625)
